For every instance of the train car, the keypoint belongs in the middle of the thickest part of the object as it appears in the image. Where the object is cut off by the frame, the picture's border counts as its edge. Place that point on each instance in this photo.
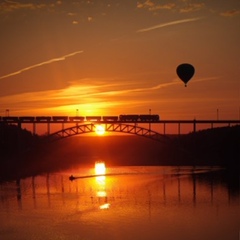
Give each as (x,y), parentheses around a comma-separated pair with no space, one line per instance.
(60,118)
(148,118)
(43,119)
(110,118)
(129,118)
(10,119)
(26,119)
(77,119)
(93,118)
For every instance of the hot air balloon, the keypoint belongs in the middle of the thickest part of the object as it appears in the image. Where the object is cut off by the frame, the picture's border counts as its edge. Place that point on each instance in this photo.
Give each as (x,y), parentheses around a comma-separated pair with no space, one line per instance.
(185,72)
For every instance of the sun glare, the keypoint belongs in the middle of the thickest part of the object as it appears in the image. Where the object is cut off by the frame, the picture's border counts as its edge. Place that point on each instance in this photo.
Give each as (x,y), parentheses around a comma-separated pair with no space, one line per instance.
(100,168)
(100,130)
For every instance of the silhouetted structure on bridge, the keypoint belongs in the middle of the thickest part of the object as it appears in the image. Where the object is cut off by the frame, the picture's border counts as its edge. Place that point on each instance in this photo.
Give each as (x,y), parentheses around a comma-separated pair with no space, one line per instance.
(113,123)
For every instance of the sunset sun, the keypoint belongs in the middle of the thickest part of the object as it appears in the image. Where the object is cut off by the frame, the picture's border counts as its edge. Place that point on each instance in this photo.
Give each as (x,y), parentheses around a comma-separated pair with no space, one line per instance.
(100,130)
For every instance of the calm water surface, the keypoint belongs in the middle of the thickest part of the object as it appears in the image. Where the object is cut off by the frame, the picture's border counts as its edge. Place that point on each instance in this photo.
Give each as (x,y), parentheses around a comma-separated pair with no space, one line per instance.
(136,203)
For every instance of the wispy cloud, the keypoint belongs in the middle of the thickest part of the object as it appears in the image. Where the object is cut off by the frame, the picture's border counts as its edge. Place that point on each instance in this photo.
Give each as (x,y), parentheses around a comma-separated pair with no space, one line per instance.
(10,6)
(207,79)
(89,92)
(184,6)
(191,7)
(41,64)
(151,6)
(153,88)
(89,97)
(230,13)
(168,24)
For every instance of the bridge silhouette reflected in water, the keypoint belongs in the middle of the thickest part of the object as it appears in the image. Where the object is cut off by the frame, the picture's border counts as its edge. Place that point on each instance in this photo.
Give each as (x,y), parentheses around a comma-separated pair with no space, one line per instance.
(182,186)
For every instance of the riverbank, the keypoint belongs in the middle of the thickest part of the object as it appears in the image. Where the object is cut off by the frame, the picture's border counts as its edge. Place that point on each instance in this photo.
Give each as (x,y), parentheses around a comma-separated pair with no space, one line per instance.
(219,146)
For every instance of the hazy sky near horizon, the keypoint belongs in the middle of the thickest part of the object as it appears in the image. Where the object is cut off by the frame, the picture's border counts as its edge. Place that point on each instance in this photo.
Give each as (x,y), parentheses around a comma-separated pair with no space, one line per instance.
(111,57)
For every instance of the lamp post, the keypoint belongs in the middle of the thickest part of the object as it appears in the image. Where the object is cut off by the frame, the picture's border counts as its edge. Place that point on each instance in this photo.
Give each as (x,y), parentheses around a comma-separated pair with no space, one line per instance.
(76,117)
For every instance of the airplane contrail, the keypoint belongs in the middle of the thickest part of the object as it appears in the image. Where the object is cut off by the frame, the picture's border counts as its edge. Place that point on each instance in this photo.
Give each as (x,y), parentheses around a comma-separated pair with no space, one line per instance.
(168,24)
(41,64)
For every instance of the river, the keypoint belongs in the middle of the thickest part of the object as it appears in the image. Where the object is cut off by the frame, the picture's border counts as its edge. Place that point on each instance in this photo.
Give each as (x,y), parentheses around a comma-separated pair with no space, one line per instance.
(133,202)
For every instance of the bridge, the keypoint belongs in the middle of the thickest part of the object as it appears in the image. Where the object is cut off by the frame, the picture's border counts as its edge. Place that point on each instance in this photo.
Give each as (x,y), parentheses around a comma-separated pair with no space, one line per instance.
(108,127)
(129,124)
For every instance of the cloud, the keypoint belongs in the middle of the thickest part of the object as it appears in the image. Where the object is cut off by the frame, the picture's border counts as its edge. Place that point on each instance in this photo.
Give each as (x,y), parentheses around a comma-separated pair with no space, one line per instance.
(71,14)
(182,6)
(151,6)
(192,7)
(90,92)
(104,92)
(230,13)
(85,95)
(168,24)
(74,22)
(10,6)
(207,79)
(41,64)
(147,3)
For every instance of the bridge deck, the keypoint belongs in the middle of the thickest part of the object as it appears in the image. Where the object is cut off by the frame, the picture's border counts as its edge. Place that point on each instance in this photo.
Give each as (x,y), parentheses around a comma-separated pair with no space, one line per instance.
(134,122)
(95,120)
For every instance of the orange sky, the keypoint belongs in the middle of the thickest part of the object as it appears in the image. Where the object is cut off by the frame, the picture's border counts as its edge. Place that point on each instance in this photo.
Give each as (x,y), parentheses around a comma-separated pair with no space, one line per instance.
(114,57)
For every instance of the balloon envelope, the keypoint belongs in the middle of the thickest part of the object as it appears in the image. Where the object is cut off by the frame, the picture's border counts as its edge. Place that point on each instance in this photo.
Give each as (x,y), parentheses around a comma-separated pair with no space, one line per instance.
(185,72)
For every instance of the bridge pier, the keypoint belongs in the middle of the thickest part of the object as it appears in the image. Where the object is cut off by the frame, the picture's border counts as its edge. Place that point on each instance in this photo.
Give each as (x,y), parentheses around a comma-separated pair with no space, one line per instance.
(194,125)
(34,128)
(48,128)
(19,137)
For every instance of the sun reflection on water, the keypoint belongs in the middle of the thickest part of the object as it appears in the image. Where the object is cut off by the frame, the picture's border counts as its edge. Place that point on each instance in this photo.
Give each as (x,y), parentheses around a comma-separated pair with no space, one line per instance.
(100,169)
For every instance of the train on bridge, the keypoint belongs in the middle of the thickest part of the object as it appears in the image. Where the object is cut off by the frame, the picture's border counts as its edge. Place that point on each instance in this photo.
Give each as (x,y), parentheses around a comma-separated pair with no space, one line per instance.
(120,118)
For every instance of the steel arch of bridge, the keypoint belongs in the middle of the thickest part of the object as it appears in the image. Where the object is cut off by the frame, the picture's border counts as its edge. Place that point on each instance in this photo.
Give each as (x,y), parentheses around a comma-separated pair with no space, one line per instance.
(109,127)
